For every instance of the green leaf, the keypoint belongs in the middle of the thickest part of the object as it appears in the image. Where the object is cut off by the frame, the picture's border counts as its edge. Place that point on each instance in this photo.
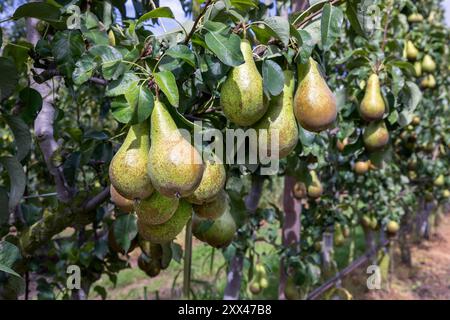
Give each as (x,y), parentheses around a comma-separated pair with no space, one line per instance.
(4,212)
(226,48)
(121,110)
(273,77)
(17,180)
(96,37)
(9,78)
(167,83)
(67,48)
(112,66)
(280,26)
(330,26)
(22,135)
(84,68)
(352,15)
(306,45)
(140,100)
(9,254)
(120,86)
(182,52)
(244,4)
(161,12)
(31,101)
(125,230)
(39,10)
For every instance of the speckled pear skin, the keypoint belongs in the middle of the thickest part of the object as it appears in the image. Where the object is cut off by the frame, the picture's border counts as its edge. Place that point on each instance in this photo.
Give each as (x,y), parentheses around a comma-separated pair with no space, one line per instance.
(175,167)
(219,234)
(128,168)
(376,135)
(314,103)
(213,209)
(372,106)
(242,93)
(280,116)
(165,232)
(213,181)
(124,204)
(156,209)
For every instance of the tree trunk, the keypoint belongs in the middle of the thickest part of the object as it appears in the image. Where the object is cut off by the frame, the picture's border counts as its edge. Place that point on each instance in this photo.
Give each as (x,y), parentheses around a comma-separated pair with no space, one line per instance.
(405,230)
(234,276)
(291,227)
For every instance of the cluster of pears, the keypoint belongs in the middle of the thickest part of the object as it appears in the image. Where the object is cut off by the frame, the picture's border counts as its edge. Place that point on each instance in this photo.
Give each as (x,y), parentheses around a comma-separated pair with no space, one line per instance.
(340,234)
(160,175)
(372,109)
(369,222)
(244,103)
(259,281)
(313,189)
(426,65)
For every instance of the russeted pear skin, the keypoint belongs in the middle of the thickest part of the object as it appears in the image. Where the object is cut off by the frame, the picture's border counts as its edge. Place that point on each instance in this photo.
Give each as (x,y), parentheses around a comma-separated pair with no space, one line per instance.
(175,167)
(124,204)
(156,209)
(411,51)
(428,64)
(213,181)
(315,188)
(280,116)
(376,135)
(314,103)
(167,231)
(219,234)
(213,209)
(242,92)
(372,106)
(128,167)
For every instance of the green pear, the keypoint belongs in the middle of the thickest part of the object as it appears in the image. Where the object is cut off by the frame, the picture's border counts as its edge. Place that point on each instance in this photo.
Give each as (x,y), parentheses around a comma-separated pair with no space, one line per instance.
(156,209)
(175,167)
(124,204)
(315,188)
(439,181)
(213,181)
(415,17)
(372,106)
(428,64)
(280,117)
(167,231)
(219,234)
(314,103)
(291,291)
(418,68)
(128,167)
(213,209)
(242,93)
(376,135)
(428,82)
(411,51)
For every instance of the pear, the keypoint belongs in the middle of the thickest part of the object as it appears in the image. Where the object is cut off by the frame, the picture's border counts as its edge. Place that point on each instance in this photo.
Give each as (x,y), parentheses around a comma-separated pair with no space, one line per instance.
(392,227)
(156,209)
(291,291)
(219,234)
(411,51)
(299,190)
(315,188)
(213,181)
(428,64)
(376,135)
(366,221)
(124,204)
(415,121)
(372,105)
(439,181)
(242,93)
(446,193)
(280,117)
(314,103)
(361,167)
(418,68)
(213,209)
(415,17)
(341,144)
(167,231)
(338,237)
(175,167)
(127,170)
(428,82)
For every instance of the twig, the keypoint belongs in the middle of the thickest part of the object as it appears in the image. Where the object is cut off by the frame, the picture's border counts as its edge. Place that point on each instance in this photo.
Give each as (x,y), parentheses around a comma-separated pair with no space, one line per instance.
(315,14)
(191,33)
(386,24)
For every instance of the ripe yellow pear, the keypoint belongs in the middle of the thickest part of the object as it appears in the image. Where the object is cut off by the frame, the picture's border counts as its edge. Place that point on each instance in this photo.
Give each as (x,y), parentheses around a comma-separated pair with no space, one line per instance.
(415,17)
(372,106)
(124,204)
(314,103)
(392,227)
(439,181)
(315,188)
(175,167)
(428,64)
(428,82)
(361,167)
(411,51)
(418,68)
(376,135)
(280,117)
(127,170)
(242,95)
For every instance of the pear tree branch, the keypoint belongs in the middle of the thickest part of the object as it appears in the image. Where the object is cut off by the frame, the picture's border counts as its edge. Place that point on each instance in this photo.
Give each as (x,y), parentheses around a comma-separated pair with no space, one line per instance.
(194,27)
